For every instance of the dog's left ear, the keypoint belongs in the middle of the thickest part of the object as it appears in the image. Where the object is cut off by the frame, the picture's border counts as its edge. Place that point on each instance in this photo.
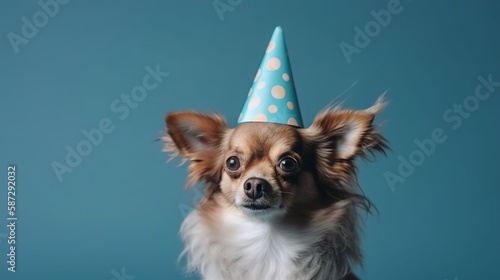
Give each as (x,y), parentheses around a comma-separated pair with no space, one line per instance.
(341,135)
(197,138)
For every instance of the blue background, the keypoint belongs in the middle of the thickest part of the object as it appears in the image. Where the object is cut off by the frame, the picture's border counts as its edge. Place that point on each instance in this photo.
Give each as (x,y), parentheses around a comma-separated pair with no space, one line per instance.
(122,206)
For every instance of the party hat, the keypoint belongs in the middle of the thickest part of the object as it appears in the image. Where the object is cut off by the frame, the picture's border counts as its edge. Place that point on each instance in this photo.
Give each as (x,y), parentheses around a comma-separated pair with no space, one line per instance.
(272,97)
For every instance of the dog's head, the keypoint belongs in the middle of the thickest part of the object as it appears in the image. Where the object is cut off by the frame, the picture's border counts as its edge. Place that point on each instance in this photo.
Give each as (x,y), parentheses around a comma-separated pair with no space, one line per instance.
(267,169)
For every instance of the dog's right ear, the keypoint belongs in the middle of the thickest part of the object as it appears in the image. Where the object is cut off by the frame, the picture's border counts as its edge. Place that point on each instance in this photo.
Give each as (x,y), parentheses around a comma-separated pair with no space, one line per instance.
(196,137)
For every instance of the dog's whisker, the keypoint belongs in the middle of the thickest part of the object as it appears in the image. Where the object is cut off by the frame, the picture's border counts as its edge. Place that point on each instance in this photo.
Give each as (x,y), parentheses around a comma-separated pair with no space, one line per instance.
(287,193)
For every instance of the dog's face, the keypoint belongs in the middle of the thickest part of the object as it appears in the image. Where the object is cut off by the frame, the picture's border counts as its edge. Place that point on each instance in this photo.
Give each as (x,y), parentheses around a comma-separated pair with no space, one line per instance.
(267,169)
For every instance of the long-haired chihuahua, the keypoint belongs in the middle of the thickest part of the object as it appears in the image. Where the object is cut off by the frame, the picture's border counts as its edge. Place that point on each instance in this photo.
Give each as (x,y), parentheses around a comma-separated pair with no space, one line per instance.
(280,202)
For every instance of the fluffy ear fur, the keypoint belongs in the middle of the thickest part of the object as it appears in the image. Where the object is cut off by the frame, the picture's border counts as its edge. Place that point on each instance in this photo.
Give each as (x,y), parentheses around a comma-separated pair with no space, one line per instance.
(340,135)
(196,137)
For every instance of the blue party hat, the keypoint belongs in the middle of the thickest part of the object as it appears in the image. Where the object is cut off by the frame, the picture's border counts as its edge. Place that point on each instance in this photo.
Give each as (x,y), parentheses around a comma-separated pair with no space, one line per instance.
(272,97)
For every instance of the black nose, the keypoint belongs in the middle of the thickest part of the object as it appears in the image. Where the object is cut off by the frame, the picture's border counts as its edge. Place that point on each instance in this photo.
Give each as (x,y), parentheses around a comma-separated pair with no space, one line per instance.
(255,187)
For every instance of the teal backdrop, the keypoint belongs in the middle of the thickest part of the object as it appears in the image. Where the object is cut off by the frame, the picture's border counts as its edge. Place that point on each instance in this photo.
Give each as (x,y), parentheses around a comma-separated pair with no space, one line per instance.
(85,85)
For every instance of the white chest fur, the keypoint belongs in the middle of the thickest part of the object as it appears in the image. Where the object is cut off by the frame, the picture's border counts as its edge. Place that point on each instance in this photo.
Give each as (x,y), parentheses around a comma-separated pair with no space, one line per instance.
(241,247)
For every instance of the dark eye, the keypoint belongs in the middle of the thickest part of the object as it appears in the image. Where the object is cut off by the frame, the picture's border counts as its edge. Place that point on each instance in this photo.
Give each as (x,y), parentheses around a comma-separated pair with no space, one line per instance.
(233,163)
(288,164)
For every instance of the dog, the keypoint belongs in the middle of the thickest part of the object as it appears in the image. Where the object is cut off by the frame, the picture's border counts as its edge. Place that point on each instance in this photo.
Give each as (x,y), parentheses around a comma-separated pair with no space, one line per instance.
(280,202)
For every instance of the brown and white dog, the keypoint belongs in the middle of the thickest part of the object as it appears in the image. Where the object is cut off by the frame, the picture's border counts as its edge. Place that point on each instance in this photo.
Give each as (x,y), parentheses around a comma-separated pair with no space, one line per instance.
(281,202)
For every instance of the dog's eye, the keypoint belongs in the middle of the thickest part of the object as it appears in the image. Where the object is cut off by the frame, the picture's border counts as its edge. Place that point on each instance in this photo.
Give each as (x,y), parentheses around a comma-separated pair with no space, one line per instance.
(288,164)
(233,163)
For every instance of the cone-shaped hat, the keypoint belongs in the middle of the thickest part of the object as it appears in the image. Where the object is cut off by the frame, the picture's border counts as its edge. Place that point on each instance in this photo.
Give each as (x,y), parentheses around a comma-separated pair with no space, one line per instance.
(272,97)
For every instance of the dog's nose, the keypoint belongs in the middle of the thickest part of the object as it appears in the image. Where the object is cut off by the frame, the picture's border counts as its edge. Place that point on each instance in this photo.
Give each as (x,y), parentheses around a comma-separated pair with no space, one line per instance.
(255,187)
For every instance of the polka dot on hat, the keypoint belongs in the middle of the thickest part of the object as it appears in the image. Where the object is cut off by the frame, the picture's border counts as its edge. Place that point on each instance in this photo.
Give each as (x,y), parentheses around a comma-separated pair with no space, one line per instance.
(260,118)
(285,77)
(257,75)
(273,64)
(254,102)
(272,97)
(270,47)
(278,92)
